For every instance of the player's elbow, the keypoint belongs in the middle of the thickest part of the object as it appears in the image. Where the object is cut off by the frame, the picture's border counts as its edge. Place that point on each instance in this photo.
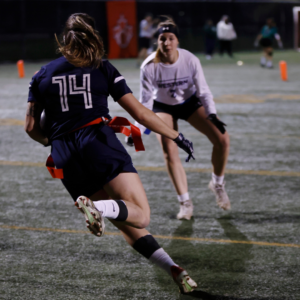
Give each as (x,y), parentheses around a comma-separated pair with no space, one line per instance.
(143,115)
(29,128)
(141,118)
(30,132)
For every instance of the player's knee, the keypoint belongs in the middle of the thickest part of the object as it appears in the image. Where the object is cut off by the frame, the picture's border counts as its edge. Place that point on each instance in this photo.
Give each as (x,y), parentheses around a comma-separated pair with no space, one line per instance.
(223,143)
(226,142)
(144,221)
(270,53)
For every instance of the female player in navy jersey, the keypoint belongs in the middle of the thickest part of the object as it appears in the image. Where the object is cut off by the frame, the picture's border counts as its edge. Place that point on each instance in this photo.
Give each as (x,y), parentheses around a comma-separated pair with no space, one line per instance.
(174,87)
(73,91)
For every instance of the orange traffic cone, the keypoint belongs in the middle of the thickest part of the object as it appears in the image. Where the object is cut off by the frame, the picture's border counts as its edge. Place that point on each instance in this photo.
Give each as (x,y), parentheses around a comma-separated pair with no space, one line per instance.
(20,65)
(283,70)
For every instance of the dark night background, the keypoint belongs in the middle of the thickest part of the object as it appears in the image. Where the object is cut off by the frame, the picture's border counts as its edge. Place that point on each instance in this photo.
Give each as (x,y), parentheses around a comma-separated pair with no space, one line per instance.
(27,27)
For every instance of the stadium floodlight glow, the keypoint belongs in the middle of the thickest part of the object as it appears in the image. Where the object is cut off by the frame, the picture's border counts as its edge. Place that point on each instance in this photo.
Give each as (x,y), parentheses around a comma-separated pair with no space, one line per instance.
(296,13)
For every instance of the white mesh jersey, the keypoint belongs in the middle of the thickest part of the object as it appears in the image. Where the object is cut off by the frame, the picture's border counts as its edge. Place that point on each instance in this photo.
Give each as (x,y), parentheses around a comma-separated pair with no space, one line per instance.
(175,83)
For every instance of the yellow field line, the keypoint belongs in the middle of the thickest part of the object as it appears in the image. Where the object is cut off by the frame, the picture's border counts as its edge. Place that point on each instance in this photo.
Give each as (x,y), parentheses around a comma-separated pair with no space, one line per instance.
(15,122)
(248,98)
(227,171)
(254,136)
(226,241)
(22,163)
(163,169)
(12,122)
(166,237)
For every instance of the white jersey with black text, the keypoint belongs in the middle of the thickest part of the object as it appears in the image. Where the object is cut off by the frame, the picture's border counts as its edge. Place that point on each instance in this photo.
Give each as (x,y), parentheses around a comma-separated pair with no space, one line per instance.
(173,84)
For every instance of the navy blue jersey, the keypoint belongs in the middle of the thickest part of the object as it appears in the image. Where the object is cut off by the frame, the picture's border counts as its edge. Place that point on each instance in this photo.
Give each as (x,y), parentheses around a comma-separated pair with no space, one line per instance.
(73,96)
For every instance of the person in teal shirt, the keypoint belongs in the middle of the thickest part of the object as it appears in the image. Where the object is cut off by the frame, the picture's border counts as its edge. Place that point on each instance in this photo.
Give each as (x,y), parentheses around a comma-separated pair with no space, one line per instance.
(265,39)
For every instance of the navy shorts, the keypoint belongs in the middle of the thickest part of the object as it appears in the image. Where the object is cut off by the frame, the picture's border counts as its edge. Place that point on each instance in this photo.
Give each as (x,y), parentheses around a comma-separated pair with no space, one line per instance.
(180,111)
(90,158)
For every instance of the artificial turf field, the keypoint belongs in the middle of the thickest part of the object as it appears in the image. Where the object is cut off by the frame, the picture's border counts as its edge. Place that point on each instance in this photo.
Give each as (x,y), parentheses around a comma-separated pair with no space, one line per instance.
(251,252)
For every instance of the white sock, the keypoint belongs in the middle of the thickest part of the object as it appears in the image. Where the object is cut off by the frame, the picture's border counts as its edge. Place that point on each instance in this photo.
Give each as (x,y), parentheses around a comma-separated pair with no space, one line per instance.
(263,60)
(109,208)
(162,260)
(217,179)
(184,197)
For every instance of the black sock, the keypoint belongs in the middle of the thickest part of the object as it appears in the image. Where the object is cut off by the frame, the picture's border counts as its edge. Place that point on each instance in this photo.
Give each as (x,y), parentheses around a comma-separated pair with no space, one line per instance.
(146,245)
(123,213)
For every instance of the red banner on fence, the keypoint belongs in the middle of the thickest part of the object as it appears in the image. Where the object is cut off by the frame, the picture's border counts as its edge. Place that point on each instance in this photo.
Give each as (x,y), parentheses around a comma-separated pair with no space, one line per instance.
(122,32)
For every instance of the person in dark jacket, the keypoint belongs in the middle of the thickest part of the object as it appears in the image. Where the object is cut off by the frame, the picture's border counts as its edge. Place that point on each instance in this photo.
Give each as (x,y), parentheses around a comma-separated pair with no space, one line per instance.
(210,36)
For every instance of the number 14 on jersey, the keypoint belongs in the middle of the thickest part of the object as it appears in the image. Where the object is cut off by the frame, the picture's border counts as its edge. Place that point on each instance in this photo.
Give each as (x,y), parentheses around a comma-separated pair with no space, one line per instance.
(85,90)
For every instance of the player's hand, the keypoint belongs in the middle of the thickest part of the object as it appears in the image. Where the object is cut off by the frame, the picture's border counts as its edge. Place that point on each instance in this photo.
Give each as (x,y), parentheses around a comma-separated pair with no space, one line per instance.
(186,145)
(217,122)
(129,141)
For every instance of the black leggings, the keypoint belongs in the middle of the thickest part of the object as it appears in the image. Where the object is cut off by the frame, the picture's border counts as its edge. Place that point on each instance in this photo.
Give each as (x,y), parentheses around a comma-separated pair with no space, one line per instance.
(225,46)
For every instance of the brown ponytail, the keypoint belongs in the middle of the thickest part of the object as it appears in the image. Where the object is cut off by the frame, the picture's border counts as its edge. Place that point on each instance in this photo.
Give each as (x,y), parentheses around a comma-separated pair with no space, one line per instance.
(80,43)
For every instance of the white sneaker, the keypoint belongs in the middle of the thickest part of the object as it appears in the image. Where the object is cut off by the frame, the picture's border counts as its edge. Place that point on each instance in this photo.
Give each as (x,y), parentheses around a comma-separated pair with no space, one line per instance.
(221,195)
(186,210)
(183,280)
(269,64)
(92,216)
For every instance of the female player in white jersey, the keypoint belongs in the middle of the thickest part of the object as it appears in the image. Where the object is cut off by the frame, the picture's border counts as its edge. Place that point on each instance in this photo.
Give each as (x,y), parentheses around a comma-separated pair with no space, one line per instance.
(174,87)
(73,90)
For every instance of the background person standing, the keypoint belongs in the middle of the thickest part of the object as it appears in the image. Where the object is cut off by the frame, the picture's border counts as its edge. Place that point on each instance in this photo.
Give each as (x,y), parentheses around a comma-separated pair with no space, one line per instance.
(225,34)
(265,39)
(210,34)
(145,35)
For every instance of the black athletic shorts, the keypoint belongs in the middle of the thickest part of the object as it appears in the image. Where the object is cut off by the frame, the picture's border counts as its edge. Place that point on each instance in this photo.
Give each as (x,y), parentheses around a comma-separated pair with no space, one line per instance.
(180,111)
(266,42)
(144,42)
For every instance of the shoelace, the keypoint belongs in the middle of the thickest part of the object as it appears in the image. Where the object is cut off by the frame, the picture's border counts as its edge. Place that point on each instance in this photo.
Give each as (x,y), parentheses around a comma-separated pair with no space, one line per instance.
(186,207)
(220,188)
(187,204)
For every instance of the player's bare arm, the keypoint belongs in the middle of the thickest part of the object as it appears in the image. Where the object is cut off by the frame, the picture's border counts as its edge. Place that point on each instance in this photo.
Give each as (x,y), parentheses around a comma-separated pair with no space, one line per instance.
(146,117)
(32,123)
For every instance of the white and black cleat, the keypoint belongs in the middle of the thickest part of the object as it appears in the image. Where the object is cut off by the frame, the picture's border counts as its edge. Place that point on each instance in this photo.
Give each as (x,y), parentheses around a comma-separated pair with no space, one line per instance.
(183,280)
(93,216)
